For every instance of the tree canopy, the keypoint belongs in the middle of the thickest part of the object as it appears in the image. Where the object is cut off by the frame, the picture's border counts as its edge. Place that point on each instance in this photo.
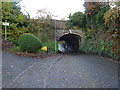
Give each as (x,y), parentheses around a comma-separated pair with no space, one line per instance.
(18,22)
(77,19)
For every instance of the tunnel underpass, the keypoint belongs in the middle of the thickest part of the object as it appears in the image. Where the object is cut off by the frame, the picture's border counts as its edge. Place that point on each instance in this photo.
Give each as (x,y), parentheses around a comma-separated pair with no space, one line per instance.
(71,43)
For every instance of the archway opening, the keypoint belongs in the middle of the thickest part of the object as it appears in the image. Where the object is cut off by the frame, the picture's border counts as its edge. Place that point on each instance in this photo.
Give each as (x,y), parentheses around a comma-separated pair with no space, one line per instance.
(69,43)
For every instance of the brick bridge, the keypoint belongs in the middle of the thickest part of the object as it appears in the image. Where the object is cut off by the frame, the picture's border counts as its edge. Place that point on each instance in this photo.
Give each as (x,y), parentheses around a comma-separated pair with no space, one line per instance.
(72,39)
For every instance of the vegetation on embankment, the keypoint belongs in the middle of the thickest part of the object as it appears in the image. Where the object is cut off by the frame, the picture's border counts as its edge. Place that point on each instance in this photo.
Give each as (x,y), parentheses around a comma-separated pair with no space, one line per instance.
(100,24)
(20,23)
(11,48)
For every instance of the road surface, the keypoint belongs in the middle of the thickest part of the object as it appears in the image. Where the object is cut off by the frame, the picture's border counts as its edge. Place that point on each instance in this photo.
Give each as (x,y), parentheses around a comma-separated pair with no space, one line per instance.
(59,71)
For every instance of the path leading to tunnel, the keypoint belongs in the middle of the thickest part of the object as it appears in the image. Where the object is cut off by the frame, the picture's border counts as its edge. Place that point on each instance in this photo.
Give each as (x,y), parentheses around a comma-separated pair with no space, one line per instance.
(61,71)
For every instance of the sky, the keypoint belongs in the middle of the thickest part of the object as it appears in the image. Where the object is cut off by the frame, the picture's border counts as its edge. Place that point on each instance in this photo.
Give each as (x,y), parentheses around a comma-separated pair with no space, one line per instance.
(59,8)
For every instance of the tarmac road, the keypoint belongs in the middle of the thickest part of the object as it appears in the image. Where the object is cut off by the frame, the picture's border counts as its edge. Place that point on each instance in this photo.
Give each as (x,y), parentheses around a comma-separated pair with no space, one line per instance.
(59,71)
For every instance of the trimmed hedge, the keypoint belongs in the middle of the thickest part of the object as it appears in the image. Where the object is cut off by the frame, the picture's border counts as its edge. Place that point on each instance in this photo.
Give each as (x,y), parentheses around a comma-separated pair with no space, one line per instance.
(28,42)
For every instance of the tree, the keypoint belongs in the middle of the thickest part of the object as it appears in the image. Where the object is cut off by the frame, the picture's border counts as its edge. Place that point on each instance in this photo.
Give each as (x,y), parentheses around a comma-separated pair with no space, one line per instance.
(18,24)
(40,26)
(77,19)
(112,15)
(103,29)
(95,13)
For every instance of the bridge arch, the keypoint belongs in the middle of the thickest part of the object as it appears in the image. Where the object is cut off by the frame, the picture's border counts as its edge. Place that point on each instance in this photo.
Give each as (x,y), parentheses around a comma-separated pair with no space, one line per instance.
(72,41)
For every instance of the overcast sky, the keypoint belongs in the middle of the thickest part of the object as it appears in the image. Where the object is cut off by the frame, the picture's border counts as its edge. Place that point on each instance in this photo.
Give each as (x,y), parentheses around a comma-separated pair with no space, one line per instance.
(60,8)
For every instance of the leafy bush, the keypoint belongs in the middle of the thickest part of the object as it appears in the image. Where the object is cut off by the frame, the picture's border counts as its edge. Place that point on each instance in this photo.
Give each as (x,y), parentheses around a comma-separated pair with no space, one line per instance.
(100,47)
(29,43)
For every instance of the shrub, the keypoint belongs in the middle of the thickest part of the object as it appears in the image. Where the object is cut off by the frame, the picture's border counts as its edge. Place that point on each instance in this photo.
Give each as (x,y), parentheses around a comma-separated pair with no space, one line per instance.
(28,42)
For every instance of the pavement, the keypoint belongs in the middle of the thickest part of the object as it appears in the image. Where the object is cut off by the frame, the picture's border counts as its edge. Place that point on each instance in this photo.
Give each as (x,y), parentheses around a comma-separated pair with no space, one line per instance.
(59,71)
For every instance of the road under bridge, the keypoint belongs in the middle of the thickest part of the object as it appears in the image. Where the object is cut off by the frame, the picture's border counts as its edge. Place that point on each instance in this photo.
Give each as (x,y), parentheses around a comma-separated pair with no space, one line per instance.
(71,40)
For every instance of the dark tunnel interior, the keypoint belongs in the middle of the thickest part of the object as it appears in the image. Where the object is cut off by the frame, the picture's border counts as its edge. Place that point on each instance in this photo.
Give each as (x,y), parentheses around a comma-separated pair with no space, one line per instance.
(72,42)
